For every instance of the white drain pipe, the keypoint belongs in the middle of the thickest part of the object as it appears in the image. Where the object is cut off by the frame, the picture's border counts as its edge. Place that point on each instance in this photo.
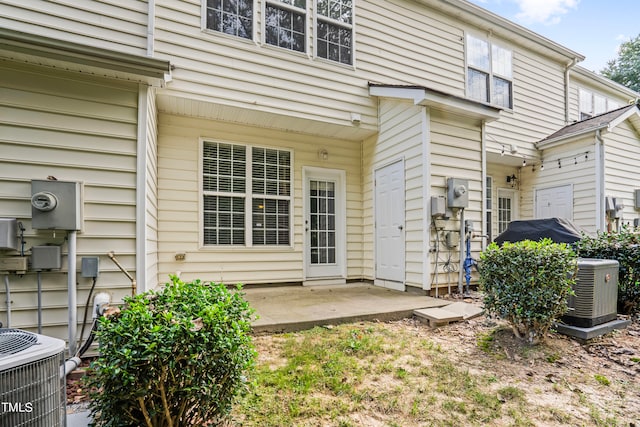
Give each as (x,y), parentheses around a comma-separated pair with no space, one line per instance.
(72,291)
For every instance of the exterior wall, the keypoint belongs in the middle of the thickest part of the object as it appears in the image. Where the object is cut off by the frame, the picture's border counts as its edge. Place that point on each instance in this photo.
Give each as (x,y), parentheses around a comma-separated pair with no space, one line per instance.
(456,152)
(594,84)
(179,204)
(622,171)
(400,138)
(151,191)
(396,42)
(75,128)
(120,25)
(538,103)
(581,175)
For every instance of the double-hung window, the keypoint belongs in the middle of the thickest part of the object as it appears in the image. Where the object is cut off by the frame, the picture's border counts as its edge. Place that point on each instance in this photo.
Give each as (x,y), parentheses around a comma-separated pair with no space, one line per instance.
(489,72)
(285,24)
(234,17)
(334,30)
(246,195)
(592,104)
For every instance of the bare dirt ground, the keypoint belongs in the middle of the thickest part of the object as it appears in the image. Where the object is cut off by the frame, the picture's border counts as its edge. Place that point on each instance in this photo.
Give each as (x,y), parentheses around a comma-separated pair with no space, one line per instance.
(557,373)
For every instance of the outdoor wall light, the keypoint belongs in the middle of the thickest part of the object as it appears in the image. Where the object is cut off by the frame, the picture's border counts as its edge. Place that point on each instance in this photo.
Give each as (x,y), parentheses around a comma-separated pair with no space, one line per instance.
(323,154)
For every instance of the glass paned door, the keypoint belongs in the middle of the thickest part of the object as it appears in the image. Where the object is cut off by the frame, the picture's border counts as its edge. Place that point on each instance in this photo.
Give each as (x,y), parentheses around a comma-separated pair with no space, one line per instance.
(322,222)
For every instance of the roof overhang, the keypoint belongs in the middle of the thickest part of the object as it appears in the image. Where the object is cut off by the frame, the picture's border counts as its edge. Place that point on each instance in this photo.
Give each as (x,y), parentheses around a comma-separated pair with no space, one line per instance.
(432,98)
(633,115)
(494,24)
(46,51)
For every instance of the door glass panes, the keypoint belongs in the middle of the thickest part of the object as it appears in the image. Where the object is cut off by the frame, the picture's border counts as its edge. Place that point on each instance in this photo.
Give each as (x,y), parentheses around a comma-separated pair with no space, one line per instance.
(233,17)
(322,222)
(504,213)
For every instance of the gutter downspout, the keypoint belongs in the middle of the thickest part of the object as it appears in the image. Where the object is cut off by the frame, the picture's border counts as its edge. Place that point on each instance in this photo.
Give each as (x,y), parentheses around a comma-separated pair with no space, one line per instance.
(151,27)
(483,225)
(568,67)
(599,150)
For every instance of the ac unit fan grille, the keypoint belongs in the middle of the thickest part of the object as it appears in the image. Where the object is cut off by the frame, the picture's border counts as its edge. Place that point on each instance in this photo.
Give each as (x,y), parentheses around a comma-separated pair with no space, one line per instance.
(14,340)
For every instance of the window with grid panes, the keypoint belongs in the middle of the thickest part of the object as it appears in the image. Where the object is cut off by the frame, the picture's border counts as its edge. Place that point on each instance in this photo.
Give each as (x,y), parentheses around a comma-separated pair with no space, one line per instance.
(334,30)
(234,17)
(285,23)
(245,205)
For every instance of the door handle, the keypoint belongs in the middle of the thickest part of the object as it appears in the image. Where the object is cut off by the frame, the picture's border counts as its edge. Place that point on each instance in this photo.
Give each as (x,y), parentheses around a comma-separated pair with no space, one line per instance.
(400,227)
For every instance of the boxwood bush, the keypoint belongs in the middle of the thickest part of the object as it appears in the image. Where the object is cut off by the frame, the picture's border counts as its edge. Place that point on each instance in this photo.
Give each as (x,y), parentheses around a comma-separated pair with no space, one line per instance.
(527,284)
(623,246)
(175,357)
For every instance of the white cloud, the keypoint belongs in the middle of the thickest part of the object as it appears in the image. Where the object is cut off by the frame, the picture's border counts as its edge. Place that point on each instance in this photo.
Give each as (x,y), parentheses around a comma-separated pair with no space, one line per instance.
(548,12)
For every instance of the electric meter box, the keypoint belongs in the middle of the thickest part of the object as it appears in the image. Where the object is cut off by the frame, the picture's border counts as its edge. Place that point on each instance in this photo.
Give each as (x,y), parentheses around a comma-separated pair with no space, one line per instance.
(8,234)
(457,193)
(56,205)
(46,258)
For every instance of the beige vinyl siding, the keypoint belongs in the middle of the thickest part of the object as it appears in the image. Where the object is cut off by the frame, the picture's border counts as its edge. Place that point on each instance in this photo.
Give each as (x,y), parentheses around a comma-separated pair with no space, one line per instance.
(405,43)
(151,192)
(400,139)
(395,42)
(538,103)
(622,171)
(578,81)
(179,203)
(456,152)
(75,128)
(120,25)
(582,176)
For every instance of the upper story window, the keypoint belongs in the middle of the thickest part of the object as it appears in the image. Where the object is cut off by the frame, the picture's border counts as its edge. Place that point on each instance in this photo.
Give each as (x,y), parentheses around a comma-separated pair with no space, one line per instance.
(334,38)
(233,17)
(591,104)
(246,195)
(286,24)
(489,72)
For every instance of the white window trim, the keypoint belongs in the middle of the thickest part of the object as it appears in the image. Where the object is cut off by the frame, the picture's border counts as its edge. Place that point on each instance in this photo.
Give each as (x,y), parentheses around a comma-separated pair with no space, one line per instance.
(353,36)
(592,95)
(248,195)
(490,72)
(263,27)
(205,29)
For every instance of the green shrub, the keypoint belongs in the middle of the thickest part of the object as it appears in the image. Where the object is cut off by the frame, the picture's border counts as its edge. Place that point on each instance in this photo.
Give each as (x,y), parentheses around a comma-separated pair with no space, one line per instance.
(527,284)
(176,357)
(623,246)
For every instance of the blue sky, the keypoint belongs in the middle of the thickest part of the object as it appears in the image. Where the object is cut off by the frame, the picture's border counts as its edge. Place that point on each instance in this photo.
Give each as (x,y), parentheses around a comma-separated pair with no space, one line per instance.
(594,28)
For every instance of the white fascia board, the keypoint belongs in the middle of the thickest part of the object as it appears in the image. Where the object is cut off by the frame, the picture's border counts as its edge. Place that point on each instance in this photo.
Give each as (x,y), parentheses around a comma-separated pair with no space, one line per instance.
(428,98)
(564,139)
(633,115)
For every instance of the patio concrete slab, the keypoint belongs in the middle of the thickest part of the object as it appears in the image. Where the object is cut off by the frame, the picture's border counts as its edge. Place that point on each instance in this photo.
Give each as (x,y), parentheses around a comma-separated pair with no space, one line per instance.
(466,310)
(293,308)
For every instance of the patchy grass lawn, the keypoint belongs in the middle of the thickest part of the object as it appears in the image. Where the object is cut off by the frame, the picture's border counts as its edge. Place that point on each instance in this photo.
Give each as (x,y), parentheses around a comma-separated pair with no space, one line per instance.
(471,373)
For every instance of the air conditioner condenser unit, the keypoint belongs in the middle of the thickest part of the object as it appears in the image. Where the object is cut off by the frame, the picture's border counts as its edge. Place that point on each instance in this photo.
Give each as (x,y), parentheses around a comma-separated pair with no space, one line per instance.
(596,293)
(32,380)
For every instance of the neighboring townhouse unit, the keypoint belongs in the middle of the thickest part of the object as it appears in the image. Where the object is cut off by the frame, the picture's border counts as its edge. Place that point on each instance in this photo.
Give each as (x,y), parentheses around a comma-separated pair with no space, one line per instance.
(275,141)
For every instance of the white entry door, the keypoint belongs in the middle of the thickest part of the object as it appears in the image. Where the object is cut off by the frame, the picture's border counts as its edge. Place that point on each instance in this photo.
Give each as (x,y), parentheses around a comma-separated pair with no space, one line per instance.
(324,224)
(389,223)
(554,202)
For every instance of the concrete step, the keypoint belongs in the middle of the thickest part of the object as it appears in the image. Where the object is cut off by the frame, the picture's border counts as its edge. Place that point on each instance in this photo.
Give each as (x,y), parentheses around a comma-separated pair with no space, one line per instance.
(450,313)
